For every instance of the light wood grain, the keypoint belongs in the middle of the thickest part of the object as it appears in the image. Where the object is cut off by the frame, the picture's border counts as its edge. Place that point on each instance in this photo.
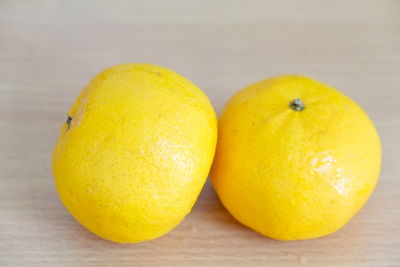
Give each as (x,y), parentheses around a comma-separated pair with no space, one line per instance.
(50,49)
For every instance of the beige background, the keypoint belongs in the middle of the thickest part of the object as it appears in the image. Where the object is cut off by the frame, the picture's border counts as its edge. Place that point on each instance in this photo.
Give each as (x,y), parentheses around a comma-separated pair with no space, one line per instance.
(50,49)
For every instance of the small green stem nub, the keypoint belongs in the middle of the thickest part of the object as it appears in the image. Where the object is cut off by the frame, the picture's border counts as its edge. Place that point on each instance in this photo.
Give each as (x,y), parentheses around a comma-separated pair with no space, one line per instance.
(297,105)
(68,122)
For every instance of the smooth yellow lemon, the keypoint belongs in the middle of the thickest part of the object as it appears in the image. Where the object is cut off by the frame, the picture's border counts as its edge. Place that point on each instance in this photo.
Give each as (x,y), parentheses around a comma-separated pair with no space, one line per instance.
(135,152)
(295,159)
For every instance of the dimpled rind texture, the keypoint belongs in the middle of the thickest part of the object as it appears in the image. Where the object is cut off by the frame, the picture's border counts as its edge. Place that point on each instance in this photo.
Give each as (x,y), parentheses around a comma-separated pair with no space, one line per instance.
(290,174)
(137,152)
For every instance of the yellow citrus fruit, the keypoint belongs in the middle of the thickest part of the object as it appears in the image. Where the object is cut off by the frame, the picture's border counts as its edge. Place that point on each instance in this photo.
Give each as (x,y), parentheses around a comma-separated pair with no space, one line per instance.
(135,152)
(295,159)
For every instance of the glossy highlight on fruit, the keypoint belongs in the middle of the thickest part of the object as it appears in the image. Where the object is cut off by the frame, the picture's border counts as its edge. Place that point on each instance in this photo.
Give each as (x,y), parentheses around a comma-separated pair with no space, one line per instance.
(296,159)
(135,152)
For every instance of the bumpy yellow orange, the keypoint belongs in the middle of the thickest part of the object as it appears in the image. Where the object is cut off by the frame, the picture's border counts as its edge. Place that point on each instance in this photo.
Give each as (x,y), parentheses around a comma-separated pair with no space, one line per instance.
(135,152)
(295,159)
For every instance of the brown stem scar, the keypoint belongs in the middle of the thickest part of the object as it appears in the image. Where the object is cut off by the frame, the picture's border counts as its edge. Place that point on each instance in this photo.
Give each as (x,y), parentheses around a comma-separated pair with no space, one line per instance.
(297,105)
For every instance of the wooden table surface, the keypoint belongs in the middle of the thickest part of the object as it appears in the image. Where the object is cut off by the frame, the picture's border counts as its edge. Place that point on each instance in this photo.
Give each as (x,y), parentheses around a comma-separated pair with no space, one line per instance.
(50,49)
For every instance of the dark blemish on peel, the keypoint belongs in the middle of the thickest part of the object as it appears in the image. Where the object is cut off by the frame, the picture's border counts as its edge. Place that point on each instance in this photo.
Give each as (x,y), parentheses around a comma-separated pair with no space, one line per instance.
(68,122)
